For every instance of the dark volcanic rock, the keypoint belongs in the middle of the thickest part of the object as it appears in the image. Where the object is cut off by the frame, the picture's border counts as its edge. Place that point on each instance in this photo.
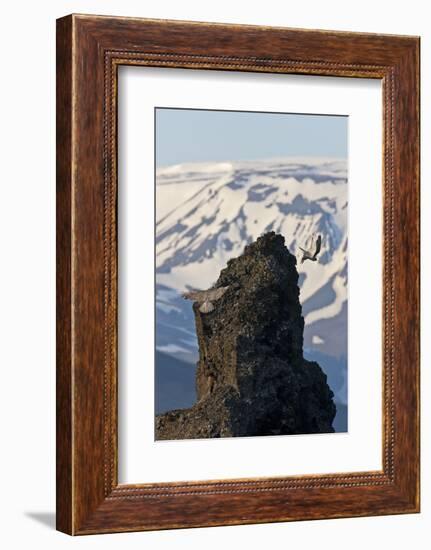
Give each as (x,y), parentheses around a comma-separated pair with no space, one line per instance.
(252,378)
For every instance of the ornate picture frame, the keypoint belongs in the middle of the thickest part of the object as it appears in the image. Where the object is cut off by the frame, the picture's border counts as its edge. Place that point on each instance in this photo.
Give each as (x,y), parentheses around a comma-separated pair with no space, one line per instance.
(89,51)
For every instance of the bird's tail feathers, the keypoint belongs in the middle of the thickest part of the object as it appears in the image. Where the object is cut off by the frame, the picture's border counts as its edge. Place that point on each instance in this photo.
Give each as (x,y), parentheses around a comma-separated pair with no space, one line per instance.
(206,307)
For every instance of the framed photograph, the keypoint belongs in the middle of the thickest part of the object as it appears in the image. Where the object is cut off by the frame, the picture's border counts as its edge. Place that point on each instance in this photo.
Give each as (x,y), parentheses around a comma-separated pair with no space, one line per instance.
(237,274)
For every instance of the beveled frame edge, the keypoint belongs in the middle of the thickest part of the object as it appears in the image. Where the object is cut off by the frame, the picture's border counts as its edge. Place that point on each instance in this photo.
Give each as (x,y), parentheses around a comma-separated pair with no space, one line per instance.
(89,499)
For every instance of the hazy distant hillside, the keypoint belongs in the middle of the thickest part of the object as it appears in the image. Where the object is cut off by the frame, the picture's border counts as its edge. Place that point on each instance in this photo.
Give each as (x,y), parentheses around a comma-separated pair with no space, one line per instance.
(175,384)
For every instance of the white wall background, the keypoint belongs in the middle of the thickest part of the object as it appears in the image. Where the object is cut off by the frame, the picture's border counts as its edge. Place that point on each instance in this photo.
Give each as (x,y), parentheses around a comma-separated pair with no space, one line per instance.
(27,280)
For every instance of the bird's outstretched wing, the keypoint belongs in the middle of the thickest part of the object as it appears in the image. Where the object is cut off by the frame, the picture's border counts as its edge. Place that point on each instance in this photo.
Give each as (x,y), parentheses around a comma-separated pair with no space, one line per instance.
(308,254)
(318,246)
(195,295)
(200,296)
(216,293)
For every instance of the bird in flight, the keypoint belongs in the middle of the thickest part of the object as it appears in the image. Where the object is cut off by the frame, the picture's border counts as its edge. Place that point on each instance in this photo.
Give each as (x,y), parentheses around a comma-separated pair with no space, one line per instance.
(205,298)
(310,254)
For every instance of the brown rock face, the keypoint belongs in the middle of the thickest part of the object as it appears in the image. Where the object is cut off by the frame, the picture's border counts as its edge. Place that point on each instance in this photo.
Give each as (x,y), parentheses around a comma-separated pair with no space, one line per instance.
(252,378)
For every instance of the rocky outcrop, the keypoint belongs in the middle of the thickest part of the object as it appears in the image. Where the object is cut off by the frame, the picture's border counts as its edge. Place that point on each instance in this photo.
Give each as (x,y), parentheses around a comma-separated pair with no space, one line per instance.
(252,378)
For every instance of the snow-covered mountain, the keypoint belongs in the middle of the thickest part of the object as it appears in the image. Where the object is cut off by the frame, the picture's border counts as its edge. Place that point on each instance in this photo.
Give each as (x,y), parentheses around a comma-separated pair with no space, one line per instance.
(206,213)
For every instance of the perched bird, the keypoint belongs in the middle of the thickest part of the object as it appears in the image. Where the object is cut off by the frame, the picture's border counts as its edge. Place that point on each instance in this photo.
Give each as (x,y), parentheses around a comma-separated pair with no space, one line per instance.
(309,254)
(206,297)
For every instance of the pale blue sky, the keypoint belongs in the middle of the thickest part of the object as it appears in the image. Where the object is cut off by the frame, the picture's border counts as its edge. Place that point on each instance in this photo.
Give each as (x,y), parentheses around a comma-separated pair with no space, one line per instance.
(188,135)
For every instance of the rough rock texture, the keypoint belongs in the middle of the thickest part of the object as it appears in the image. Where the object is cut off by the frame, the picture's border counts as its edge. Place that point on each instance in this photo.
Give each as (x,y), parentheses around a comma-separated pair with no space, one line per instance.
(252,378)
